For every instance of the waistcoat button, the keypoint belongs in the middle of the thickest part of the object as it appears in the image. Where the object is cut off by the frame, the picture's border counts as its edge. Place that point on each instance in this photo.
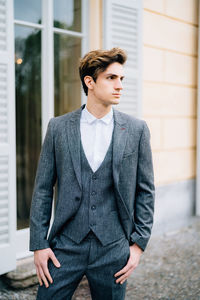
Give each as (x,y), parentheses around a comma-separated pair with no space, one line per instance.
(93,207)
(92,224)
(93,193)
(94,177)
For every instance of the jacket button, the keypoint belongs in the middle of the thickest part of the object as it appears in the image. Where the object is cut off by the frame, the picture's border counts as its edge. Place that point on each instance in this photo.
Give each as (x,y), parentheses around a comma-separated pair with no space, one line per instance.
(93,193)
(77,199)
(93,207)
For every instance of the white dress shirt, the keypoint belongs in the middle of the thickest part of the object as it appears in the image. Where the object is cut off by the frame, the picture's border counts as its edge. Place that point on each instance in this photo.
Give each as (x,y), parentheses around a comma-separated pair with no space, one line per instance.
(96,136)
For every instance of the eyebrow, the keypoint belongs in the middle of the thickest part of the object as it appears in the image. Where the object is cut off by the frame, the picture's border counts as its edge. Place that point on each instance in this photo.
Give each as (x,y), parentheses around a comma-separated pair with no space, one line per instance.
(115,75)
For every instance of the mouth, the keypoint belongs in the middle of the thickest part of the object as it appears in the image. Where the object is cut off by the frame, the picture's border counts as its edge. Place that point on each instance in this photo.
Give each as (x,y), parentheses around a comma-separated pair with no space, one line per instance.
(116,94)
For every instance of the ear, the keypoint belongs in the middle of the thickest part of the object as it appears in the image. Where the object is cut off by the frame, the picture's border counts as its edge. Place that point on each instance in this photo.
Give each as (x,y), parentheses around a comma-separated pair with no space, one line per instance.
(89,82)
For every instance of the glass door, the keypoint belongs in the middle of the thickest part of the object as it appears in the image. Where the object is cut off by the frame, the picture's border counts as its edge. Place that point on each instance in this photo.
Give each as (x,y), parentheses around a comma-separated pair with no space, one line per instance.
(28,108)
(50,38)
(28,115)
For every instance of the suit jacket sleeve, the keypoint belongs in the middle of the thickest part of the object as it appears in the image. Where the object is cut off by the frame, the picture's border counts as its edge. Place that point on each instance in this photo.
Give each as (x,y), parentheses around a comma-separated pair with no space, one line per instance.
(42,198)
(145,193)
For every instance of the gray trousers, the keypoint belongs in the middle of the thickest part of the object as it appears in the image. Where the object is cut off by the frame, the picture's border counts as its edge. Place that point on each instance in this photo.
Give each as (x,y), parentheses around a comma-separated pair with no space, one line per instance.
(99,264)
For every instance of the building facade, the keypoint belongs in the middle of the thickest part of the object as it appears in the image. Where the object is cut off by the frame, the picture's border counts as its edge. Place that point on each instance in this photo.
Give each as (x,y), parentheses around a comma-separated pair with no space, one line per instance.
(41,43)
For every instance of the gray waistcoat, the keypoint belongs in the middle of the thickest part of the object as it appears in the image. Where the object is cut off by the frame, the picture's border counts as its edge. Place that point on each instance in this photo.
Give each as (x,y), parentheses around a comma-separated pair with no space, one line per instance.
(98,210)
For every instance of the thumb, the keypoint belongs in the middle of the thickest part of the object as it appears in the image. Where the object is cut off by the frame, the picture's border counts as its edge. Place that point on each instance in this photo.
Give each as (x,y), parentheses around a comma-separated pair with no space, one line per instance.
(54,260)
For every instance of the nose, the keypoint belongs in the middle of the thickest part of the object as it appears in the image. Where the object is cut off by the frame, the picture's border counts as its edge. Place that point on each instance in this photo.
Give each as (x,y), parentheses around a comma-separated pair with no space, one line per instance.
(118,84)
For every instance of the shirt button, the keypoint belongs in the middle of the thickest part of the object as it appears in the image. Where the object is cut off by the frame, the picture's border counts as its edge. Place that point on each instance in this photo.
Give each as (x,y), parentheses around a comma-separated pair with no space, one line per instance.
(93,207)
(93,193)
(94,177)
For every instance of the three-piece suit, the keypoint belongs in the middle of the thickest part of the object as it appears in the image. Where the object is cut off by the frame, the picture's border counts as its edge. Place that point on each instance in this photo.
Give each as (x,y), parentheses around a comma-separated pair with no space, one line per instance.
(98,214)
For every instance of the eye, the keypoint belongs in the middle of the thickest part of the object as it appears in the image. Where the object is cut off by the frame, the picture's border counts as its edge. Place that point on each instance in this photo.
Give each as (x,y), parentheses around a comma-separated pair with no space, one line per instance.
(111,77)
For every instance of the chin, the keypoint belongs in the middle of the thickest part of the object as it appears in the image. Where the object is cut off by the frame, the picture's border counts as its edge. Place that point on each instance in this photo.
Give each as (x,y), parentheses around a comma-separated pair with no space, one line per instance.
(116,101)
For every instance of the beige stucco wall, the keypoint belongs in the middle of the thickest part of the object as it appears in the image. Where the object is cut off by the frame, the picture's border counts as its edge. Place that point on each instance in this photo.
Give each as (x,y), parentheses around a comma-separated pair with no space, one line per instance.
(96,24)
(169,103)
(170,37)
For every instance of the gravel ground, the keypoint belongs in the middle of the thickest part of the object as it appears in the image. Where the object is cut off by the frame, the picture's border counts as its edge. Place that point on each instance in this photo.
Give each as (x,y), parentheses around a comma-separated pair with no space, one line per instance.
(169,270)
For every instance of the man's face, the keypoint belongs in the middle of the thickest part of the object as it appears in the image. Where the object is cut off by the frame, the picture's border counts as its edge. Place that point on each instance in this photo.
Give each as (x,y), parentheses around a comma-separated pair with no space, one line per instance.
(108,86)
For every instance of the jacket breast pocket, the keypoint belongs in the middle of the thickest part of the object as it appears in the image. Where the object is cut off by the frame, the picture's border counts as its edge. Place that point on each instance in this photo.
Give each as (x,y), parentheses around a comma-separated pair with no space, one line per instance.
(129,162)
(129,154)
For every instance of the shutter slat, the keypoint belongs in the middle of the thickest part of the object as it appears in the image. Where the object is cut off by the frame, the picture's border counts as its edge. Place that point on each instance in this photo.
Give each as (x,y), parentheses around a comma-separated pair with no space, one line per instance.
(4,229)
(3,195)
(4,220)
(4,238)
(3,212)
(3,204)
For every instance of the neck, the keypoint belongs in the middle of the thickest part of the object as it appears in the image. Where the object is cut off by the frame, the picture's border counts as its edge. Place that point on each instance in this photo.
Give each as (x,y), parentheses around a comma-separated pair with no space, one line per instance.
(97,109)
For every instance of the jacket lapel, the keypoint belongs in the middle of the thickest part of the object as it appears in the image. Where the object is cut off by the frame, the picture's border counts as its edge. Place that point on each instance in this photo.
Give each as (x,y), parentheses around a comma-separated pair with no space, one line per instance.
(74,140)
(119,142)
(120,136)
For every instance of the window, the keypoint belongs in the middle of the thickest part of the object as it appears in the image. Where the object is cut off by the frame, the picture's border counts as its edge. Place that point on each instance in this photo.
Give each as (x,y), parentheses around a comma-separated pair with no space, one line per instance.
(50,37)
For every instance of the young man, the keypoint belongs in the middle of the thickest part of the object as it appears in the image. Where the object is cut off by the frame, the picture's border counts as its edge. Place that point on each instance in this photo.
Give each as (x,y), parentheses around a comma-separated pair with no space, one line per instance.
(102,162)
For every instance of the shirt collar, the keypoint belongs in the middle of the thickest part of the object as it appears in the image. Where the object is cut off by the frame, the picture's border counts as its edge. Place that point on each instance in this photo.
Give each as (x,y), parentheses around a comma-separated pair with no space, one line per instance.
(87,116)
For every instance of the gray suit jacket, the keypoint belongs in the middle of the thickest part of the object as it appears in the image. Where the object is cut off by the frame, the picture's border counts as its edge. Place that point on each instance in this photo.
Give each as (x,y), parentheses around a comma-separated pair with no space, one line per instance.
(60,160)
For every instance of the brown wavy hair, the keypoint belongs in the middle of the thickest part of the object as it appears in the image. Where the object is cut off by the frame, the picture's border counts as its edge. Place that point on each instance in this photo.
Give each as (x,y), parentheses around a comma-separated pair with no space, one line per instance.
(97,61)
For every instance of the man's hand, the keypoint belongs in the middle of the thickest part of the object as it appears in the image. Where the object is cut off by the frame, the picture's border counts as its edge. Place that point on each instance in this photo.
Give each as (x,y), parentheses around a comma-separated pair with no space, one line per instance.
(41,258)
(135,253)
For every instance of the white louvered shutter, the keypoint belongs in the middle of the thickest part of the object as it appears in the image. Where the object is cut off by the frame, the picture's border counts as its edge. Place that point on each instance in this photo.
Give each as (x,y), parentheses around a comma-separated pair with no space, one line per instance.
(7,140)
(122,28)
